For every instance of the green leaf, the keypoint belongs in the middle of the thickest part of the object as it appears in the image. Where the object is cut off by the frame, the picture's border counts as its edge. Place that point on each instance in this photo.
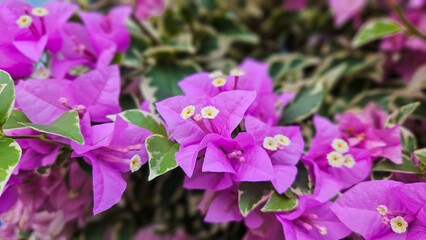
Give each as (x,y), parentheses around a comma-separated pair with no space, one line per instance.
(7,97)
(374,30)
(281,202)
(15,118)
(401,114)
(164,76)
(10,153)
(144,120)
(306,103)
(282,65)
(161,152)
(251,194)
(67,125)
(421,155)
(407,166)
(234,30)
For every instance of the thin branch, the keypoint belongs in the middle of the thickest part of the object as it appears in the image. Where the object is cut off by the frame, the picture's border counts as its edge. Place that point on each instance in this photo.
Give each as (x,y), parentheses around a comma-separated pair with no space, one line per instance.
(413,30)
(145,30)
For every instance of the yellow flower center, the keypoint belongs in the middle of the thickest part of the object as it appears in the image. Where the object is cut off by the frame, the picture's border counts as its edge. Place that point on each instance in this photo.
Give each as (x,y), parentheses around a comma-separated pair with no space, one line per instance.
(335,159)
(237,72)
(283,140)
(135,163)
(270,143)
(187,112)
(340,145)
(39,11)
(216,74)
(399,225)
(24,21)
(209,112)
(348,161)
(219,82)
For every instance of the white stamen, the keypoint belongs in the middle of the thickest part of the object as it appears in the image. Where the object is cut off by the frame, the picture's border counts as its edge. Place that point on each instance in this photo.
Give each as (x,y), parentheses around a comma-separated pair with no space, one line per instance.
(24,21)
(399,225)
(237,72)
(323,230)
(340,145)
(283,140)
(39,11)
(335,159)
(349,161)
(270,143)
(216,74)
(135,163)
(187,112)
(209,112)
(382,210)
(219,82)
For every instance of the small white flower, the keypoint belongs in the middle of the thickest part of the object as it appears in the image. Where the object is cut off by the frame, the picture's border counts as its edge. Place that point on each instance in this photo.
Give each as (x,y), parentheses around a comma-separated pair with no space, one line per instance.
(135,163)
(209,112)
(348,160)
(323,230)
(219,82)
(39,11)
(237,72)
(382,210)
(187,112)
(24,21)
(399,225)
(270,143)
(216,74)
(283,140)
(340,145)
(335,159)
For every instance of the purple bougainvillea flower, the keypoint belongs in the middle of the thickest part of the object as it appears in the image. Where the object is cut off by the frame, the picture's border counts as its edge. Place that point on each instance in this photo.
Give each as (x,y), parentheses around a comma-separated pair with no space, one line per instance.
(96,93)
(262,225)
(284,145)
(110,26)
(148,8)
(250,75)
(384,209)
(312,220)
(221,206)
(192,119)
(367,131)
(207,180)
(294,5)
(334,163)
(111,148)
(27,31)
(344,10)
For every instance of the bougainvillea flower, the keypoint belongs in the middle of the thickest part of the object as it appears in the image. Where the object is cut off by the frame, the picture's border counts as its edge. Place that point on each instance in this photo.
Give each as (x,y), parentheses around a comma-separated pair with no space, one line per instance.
(284,145)
(221,206)
(27,31)
(262,225)
(251,75)
(148,8)
(344,10)
(110,26)
(191,119)
(96,92)
(312,220)
(367,130)
(207,180)
(384,209)
(111,148)
(82,46)
(334,163)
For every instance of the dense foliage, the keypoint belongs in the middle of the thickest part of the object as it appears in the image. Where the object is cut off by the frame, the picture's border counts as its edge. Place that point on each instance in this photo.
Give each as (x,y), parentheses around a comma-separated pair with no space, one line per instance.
(213,119)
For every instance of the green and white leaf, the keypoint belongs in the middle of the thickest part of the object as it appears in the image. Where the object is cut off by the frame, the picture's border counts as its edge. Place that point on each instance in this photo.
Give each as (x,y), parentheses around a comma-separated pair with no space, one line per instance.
(280,202)
(7,97)
(67,125)
(407,166)
(421,155)
(144,120)
(251,195)
(10,153)
(161,152)
(376,29)
(16,117)
(401,114)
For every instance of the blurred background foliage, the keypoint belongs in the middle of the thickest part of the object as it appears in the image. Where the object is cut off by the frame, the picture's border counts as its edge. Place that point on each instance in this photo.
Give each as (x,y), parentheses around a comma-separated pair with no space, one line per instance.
(307,54)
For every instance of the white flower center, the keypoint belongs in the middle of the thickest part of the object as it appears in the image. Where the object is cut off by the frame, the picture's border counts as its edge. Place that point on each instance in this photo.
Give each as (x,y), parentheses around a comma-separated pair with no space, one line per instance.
(219,82)
(283,140)
(135,163)
(237,72)
(270,143)
(39,11)
(399,225)
(335,159)
(187,112)
(209,112)
(323,230)
(382,210)
(216,74)
(24,21)
(348,161)
(340,145)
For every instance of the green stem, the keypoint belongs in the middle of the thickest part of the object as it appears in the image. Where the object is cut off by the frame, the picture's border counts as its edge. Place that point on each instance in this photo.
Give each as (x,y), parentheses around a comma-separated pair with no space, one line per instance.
(38,137)
(413,30)
(145,30)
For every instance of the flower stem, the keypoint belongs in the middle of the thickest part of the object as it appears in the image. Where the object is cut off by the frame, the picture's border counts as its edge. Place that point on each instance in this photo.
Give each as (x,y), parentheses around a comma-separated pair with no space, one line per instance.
(145,30)
(413,30)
